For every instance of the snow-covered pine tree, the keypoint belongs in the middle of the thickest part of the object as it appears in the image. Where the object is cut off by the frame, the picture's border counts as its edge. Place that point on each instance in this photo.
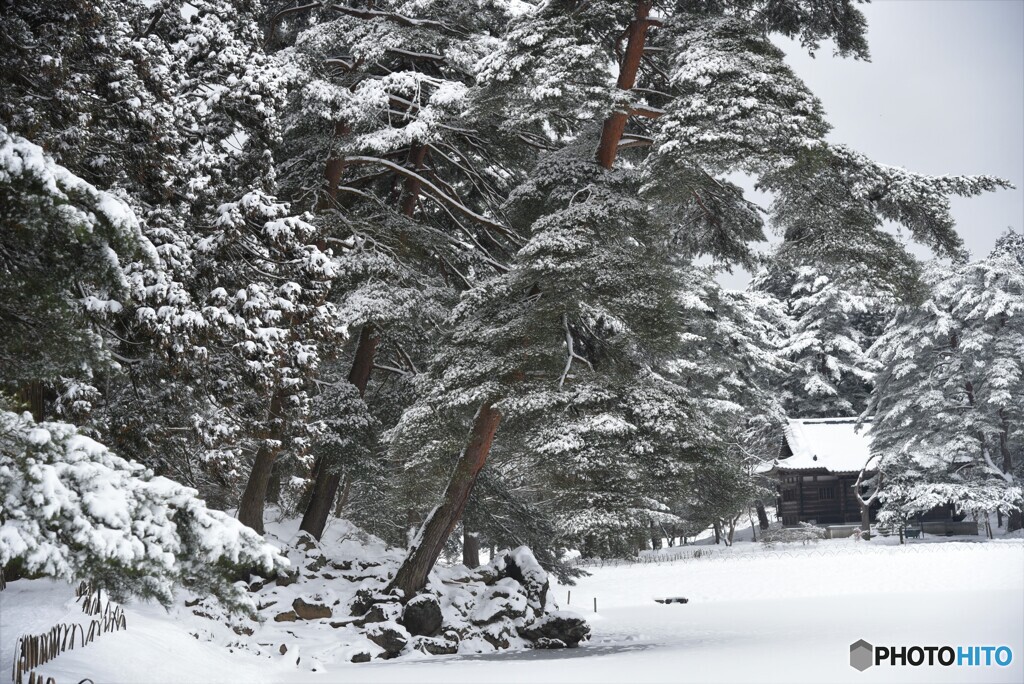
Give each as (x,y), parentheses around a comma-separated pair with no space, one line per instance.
(714,97)
(232,313)
(832,318)
(948,407)
(62,247)
(731,361)
(381,142)
(241,338)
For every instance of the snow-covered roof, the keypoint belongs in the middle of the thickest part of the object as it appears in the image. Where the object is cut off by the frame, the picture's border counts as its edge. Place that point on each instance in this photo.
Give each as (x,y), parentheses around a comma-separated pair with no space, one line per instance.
(836,444)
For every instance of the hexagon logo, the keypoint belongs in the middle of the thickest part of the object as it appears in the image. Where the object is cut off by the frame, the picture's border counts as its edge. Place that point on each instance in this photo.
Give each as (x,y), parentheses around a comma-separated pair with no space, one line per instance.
(861,655)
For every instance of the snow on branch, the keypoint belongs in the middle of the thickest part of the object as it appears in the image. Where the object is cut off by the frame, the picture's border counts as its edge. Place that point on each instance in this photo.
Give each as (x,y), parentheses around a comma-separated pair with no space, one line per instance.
(399,19)
(73,510)
(570,352)
(430,189)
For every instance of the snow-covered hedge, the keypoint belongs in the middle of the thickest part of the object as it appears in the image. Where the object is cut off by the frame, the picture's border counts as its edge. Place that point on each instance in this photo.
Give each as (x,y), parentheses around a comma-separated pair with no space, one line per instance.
(71,509)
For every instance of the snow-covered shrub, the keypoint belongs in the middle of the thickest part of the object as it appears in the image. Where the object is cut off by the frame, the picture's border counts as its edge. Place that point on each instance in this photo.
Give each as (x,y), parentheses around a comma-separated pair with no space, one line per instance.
(903,502)
(72,509)
(804,533)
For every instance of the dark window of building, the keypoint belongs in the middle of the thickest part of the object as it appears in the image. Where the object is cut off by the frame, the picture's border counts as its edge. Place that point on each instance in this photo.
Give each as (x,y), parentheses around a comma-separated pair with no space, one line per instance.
(789,494)
(826,492)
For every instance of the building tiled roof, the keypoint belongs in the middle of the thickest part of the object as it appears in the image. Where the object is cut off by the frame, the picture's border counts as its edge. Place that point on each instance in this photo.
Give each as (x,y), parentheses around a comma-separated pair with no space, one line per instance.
(839,445)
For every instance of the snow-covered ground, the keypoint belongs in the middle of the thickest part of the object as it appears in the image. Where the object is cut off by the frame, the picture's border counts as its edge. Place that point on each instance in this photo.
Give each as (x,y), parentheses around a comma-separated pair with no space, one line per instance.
(788,614)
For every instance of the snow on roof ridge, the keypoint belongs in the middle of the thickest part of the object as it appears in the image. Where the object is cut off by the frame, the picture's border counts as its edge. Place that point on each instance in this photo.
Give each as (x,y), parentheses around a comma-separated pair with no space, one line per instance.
(834,444)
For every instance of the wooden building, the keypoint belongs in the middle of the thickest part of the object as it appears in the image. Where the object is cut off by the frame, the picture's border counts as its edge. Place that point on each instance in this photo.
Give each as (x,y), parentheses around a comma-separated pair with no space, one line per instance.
(819,463)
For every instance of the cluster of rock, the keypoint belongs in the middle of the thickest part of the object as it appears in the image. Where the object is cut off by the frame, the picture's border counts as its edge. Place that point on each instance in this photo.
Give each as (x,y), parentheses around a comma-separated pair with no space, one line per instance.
(340,589)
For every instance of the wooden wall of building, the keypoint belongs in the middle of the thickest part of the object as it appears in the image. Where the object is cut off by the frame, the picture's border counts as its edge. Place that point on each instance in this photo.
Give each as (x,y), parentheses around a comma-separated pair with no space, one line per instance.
(818,496)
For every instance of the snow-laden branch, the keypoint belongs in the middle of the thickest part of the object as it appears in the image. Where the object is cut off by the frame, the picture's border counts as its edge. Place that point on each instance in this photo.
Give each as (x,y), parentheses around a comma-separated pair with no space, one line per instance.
(400,19)
(276,20)
(646,111)
(860,482)
(431,190)
(630,140)
(992,467)
(570,352)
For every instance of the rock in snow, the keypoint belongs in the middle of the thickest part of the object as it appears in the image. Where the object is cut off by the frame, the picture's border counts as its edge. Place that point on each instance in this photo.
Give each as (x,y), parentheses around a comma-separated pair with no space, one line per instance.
(310,611)
(422,616)
(557,630)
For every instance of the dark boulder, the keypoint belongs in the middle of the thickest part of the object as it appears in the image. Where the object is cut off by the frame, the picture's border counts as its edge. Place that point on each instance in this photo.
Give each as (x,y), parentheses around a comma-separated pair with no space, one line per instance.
(361,602)
(436,645)
(310,611)
(556,627)
(377,613)
(521,566)
(422,616)
(389,637)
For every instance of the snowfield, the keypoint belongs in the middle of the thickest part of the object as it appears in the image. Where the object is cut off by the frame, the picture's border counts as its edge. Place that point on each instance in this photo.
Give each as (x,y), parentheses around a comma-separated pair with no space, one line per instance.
(786,614)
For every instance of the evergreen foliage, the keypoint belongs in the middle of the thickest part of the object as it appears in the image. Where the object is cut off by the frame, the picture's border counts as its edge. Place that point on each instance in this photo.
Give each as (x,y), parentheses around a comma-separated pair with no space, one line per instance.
(71,509)
(296,253)
(947,408)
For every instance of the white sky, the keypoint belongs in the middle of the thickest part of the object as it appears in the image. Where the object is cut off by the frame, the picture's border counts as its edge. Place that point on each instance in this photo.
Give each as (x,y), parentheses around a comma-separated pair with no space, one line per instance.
(942,94)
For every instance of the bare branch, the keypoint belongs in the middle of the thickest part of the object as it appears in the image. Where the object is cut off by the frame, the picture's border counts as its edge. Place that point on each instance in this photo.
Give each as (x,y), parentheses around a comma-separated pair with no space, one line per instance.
(272,29)
(434,193)
(571,352)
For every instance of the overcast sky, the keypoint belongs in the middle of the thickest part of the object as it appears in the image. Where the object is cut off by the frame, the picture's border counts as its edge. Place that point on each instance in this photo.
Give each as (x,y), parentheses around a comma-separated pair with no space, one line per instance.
(943,93)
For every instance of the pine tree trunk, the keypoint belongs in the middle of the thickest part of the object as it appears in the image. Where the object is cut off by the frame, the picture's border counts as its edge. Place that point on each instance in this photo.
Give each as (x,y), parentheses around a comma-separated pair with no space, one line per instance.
(1014,519)
(33,395)
(865,521)
(615,124)
(470,549)
(333,171)
(417,154)
(429,542)
(762,515)
(274,484)
(346,488)
(250,508)
(718,532)
(325,484)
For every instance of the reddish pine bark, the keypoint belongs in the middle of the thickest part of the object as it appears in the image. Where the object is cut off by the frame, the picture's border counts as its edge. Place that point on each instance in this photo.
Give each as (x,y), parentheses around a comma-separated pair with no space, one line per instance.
(615,124)
(429,543)
(250,508)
